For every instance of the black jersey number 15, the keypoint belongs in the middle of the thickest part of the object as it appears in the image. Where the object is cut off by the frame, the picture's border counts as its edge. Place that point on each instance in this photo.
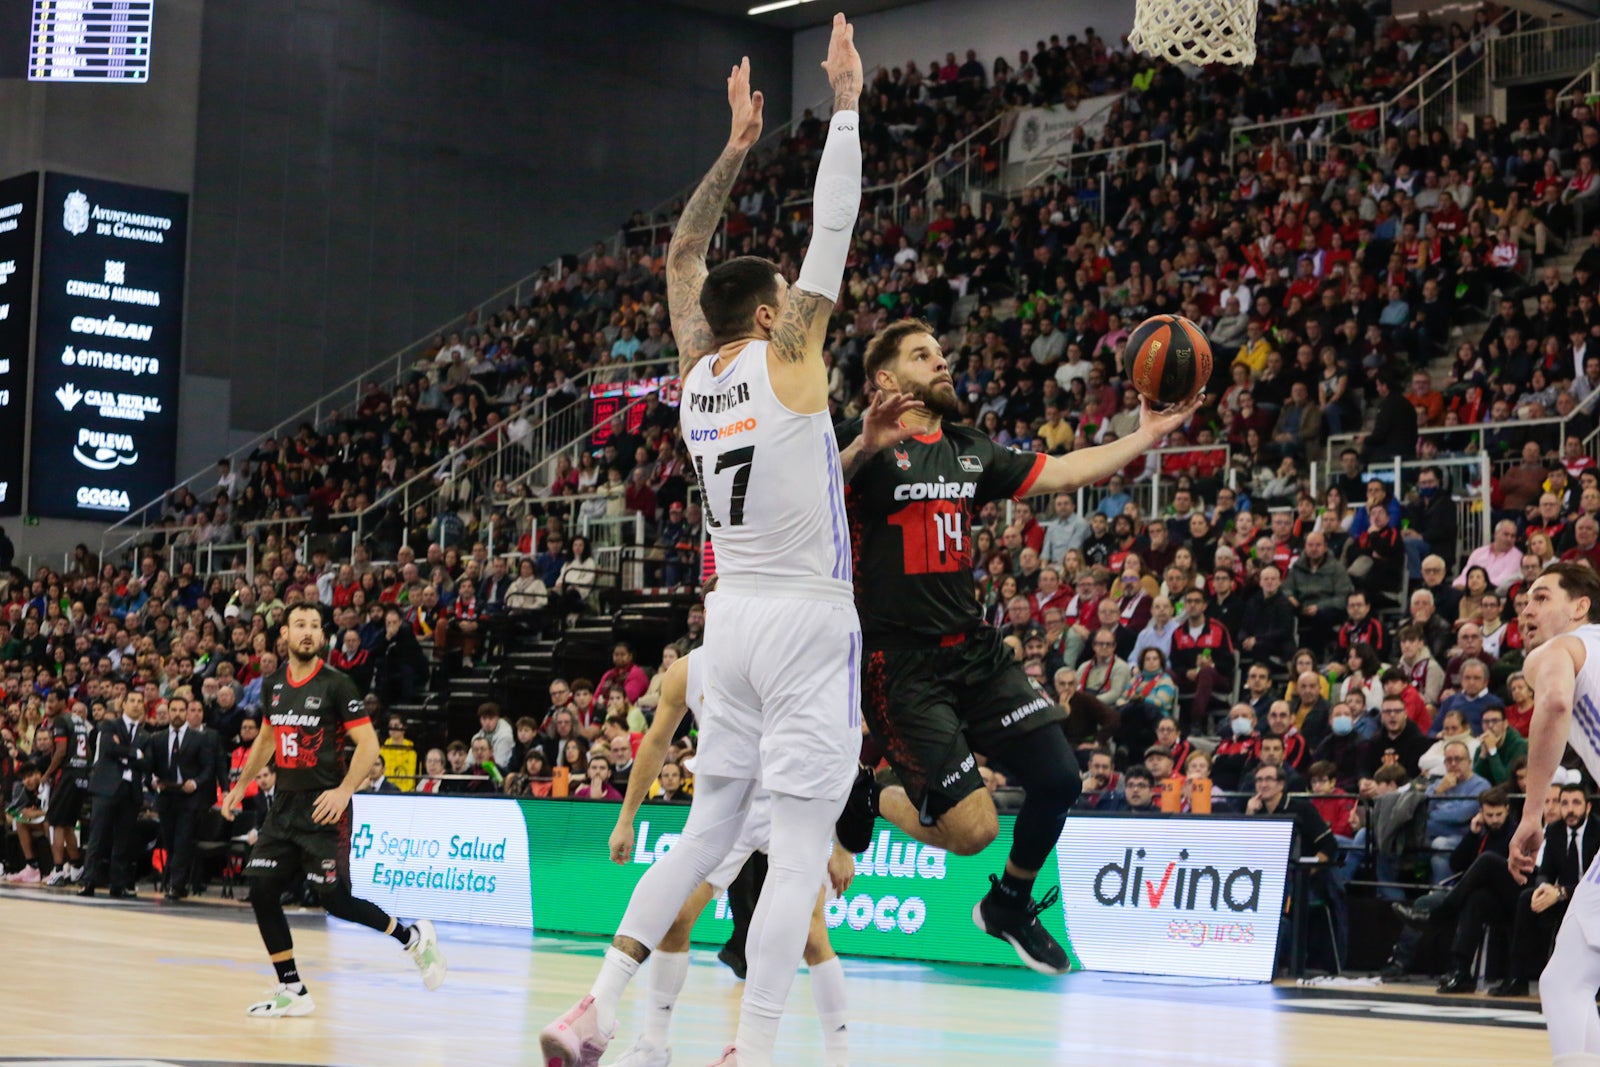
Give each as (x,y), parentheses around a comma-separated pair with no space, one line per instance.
(738,460)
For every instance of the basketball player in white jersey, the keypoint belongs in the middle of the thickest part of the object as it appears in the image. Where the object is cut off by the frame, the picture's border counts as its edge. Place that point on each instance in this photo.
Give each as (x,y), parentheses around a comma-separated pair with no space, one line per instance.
(682,691)
(782,648)
(1563,667)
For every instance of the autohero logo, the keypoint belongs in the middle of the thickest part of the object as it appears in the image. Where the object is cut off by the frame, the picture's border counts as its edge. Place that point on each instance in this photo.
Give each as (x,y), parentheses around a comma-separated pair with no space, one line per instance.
(717,433)
(887,913)
(1204,899)
(429,861)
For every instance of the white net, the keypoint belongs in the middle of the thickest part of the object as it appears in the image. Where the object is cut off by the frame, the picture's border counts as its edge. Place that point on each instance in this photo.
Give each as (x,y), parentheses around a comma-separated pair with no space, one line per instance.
(1196,31)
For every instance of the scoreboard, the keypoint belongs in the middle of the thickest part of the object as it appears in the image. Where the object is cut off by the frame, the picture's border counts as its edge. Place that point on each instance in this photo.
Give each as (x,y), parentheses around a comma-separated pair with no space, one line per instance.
(90,40)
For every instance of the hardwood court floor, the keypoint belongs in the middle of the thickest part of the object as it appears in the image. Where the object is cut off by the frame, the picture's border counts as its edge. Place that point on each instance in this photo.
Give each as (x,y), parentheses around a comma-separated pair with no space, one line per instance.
(141,983)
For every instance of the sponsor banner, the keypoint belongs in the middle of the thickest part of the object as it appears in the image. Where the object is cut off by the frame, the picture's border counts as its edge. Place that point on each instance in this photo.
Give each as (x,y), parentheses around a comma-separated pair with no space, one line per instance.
(1184,896)
(19,203)
(1188,896)
(1042,132)
(109,339)
(459,859)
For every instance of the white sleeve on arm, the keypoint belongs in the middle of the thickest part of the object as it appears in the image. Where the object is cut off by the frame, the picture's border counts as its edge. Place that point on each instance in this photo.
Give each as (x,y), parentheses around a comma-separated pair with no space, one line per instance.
(834,204)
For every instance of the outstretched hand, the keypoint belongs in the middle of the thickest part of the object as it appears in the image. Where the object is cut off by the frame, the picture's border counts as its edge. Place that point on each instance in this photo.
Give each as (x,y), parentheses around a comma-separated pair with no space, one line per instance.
(746,107)
(843,65)
(1158,424)
(880,423)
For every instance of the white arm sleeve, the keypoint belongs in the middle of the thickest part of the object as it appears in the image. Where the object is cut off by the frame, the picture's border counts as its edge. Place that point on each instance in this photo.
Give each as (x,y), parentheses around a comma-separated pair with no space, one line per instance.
(833,208)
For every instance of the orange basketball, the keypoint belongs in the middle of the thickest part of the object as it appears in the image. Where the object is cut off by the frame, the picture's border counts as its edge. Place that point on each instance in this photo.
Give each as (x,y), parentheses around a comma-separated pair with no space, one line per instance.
(1168,359)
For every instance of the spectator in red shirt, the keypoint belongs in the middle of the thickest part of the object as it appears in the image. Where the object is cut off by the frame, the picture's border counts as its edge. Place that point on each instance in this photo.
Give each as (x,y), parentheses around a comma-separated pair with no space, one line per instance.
(1586,532)
(625,673)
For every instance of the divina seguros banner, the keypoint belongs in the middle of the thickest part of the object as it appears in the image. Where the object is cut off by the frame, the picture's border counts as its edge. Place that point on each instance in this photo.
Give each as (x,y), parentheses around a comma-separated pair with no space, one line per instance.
(1191,896)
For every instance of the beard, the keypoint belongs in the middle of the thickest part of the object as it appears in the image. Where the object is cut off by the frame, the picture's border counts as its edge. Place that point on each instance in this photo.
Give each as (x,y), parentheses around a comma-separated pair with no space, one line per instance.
(938,397)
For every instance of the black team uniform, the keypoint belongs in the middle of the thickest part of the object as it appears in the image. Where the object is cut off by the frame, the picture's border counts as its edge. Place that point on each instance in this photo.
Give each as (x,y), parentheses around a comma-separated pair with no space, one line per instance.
(71,785)
(937,684)
(308,722)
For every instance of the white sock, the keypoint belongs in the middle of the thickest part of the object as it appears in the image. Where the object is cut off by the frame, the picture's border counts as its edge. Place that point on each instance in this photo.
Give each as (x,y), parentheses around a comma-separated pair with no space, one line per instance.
(615,974)
(668,972)
(756,1038)
(829,994)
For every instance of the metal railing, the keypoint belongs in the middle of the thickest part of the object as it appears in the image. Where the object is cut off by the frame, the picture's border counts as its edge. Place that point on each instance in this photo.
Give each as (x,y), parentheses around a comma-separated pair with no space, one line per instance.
(1145,489)
(1542,54)
(1584,88)
(533,429)
(1078,170)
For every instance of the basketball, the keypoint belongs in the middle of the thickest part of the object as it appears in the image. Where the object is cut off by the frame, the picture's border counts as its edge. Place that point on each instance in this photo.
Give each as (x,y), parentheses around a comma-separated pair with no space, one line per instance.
(1168,359)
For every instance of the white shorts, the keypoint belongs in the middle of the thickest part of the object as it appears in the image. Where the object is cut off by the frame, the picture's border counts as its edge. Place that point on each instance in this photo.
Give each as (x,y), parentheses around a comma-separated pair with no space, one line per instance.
(782,701)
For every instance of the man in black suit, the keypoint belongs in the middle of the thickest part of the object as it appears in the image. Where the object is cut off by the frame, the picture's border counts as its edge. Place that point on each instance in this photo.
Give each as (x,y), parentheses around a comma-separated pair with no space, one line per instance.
(183,762)
(1569,847)
(116,783)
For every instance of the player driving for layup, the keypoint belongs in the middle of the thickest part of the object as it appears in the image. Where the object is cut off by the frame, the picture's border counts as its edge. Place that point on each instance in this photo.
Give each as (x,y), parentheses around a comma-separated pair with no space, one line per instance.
(937,684)
(1563,667)
(783,642)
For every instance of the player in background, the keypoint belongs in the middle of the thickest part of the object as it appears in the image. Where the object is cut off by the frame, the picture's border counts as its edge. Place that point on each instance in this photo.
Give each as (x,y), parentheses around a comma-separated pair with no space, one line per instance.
(937,684)
(1563,667)
(781,647)
(681,692)
(308,710)
(68,775)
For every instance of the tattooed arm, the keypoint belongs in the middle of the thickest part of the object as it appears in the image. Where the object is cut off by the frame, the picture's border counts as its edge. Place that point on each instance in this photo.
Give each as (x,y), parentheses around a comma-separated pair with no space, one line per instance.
(795,354)
(686,255)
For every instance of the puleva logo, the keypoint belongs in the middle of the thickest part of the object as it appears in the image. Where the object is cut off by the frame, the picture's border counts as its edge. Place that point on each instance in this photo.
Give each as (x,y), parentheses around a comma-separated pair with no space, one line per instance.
(75,216)
(1182,886)
(69,395)
(361,842)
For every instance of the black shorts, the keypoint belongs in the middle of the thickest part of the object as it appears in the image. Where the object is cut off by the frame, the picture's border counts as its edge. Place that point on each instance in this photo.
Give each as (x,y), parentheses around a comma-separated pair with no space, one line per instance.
(290,843)
(932,708)
(66,804)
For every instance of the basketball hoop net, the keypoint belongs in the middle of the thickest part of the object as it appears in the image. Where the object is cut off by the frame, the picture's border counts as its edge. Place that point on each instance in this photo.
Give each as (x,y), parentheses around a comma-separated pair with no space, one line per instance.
(1196,31)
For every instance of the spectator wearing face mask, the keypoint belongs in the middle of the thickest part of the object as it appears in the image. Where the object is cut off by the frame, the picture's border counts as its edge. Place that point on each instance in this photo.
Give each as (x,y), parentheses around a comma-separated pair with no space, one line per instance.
(1237,749)
(1344,750)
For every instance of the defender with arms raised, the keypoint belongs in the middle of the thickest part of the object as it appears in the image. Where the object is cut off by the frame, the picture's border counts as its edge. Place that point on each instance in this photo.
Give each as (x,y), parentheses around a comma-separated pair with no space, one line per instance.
(783,643)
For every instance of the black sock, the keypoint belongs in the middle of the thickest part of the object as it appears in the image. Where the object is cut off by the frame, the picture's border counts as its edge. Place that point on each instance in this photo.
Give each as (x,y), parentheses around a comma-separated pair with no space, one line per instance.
(287,973)
(402,933)
(1016,889)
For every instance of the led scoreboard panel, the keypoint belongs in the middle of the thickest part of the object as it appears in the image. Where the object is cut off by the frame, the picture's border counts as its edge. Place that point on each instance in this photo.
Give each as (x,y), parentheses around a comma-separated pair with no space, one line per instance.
(90,40)
(19,209)
(109,336)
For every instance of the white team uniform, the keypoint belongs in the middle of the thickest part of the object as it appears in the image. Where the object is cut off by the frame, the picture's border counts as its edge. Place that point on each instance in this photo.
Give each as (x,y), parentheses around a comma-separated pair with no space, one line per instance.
(1584,737)
(782,642)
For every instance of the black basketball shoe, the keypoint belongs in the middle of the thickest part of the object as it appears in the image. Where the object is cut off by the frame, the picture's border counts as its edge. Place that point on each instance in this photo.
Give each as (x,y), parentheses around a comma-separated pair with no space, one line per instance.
(1000,915)
(854,828)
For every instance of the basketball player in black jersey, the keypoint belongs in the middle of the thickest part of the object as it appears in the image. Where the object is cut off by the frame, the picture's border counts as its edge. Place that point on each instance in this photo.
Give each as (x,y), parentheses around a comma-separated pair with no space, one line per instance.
(68,776)
(309,711)
(937,685)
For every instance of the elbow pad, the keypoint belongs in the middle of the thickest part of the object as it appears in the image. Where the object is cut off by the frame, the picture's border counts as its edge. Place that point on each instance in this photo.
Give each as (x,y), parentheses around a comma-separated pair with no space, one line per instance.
(834,204)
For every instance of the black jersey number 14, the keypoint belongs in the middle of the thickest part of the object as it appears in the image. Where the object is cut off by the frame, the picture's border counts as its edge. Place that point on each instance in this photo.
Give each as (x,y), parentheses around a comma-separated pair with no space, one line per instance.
(738,460)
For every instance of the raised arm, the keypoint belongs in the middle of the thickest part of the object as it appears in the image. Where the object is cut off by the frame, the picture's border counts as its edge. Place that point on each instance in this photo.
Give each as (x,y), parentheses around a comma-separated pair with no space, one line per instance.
(795,354)
(652,754)
(1554,678)
(1091,465)
(686,255)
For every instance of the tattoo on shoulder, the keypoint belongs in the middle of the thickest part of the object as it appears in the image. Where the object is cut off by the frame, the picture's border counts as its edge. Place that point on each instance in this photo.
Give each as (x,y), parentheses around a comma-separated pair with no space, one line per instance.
(791,337)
